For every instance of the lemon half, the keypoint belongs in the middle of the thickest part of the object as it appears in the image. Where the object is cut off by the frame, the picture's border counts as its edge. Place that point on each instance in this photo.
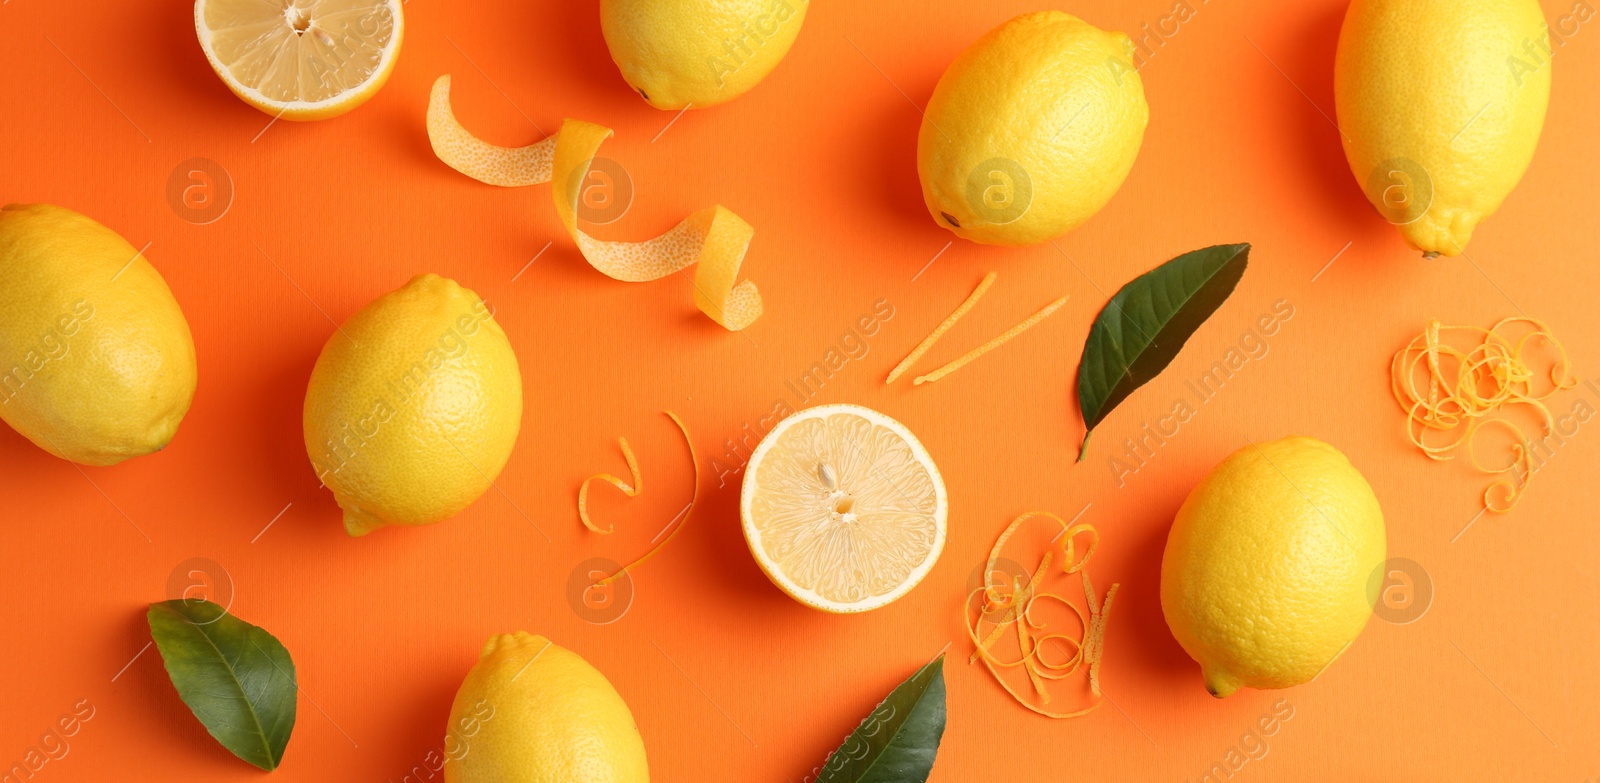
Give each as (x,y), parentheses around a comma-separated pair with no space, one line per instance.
(843,508)
(301,59)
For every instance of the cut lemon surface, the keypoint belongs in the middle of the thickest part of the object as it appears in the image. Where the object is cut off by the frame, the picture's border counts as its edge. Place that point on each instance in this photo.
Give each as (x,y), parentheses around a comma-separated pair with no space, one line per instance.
(301,59)
(843,508)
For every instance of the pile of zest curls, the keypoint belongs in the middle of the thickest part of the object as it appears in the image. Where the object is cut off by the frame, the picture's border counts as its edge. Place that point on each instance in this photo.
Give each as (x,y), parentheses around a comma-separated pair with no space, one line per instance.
(714,238)
(633,490)
(1444,389)
(1009,609)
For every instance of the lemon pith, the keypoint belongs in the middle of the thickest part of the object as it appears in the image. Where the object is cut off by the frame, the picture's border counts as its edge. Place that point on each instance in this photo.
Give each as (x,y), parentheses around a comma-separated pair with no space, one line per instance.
(698,53)
(97,364)
(301,59)
(413,407)
(1264,576)
(1031,130)
(843,508)
(1440,105)
(534,712)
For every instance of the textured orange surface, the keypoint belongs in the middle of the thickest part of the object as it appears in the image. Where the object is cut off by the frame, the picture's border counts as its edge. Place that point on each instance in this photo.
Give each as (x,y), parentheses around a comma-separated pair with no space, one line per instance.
(729,679)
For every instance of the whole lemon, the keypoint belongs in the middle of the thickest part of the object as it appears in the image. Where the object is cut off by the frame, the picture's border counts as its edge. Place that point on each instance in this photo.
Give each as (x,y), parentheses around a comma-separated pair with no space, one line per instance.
(1264,579)
(698,53)
(413,406)
(96,360)
(1031,130)
(532,712)
(1440,105)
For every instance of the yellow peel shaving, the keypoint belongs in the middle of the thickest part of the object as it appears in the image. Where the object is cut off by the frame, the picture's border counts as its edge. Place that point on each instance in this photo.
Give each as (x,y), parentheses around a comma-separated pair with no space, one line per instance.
(992,344)
(1468,387)
(684,514)
(631,490)
(1030,631)
(944,326)
(504,166)
(714,237)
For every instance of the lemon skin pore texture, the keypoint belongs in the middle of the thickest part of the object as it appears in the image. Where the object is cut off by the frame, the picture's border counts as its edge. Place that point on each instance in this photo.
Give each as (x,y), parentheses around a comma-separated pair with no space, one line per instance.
(1264,580)
(97,364)
(413,407)
(1450,91)
(698,53)
(1055,95)
(554,720)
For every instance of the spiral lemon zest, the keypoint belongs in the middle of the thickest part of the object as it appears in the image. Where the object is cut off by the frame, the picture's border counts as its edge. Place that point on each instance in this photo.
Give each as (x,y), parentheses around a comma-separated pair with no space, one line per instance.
(1018,601)
(1487,378)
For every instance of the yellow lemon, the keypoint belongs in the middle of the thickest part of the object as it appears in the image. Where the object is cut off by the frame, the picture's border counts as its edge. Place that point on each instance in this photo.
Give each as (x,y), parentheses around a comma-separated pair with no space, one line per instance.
(1264,579)
(413,406)
(301,59)
(1031,130)
(96,360)
(532,712)
(843,508)
(698,53)
(1440,105)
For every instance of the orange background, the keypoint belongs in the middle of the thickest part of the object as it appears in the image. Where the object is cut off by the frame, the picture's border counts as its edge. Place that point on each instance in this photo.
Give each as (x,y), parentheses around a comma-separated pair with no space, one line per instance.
(728,679)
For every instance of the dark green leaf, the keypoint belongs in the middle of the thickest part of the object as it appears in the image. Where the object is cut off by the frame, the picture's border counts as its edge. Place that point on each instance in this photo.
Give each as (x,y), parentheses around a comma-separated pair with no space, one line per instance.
(896,743)
(1145,325)
(236,678)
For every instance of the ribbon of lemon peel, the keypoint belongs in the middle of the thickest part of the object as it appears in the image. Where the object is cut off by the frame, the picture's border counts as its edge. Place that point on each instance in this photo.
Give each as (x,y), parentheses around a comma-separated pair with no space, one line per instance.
(944,326)
(1019,604)
(685,513)
(714,237)
(631,490)
(1487,378)
(950,321)
(992,344)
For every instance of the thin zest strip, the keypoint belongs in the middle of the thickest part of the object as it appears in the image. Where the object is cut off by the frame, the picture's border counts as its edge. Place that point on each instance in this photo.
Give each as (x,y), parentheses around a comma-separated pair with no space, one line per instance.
(1031,636)
(631,490)
(992,344)
(944,326)
(714,237)
(685,514)
(1485,379)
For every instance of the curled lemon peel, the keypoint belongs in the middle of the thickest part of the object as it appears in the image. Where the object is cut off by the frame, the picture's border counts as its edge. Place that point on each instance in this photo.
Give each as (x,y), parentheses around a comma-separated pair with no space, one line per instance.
(1465,389)
(1087,650)
(944,326)
(992,344)
(506,167)
(631,490)
(683,516)
(714,238)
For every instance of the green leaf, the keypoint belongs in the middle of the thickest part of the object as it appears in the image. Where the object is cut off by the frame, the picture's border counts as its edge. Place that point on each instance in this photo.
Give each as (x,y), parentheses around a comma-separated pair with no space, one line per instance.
(896,743)
(1145,325)
(236,678)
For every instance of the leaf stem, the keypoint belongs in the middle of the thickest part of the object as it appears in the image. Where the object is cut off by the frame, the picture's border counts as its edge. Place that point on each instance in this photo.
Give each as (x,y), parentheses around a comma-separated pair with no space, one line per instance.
(1083,451)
